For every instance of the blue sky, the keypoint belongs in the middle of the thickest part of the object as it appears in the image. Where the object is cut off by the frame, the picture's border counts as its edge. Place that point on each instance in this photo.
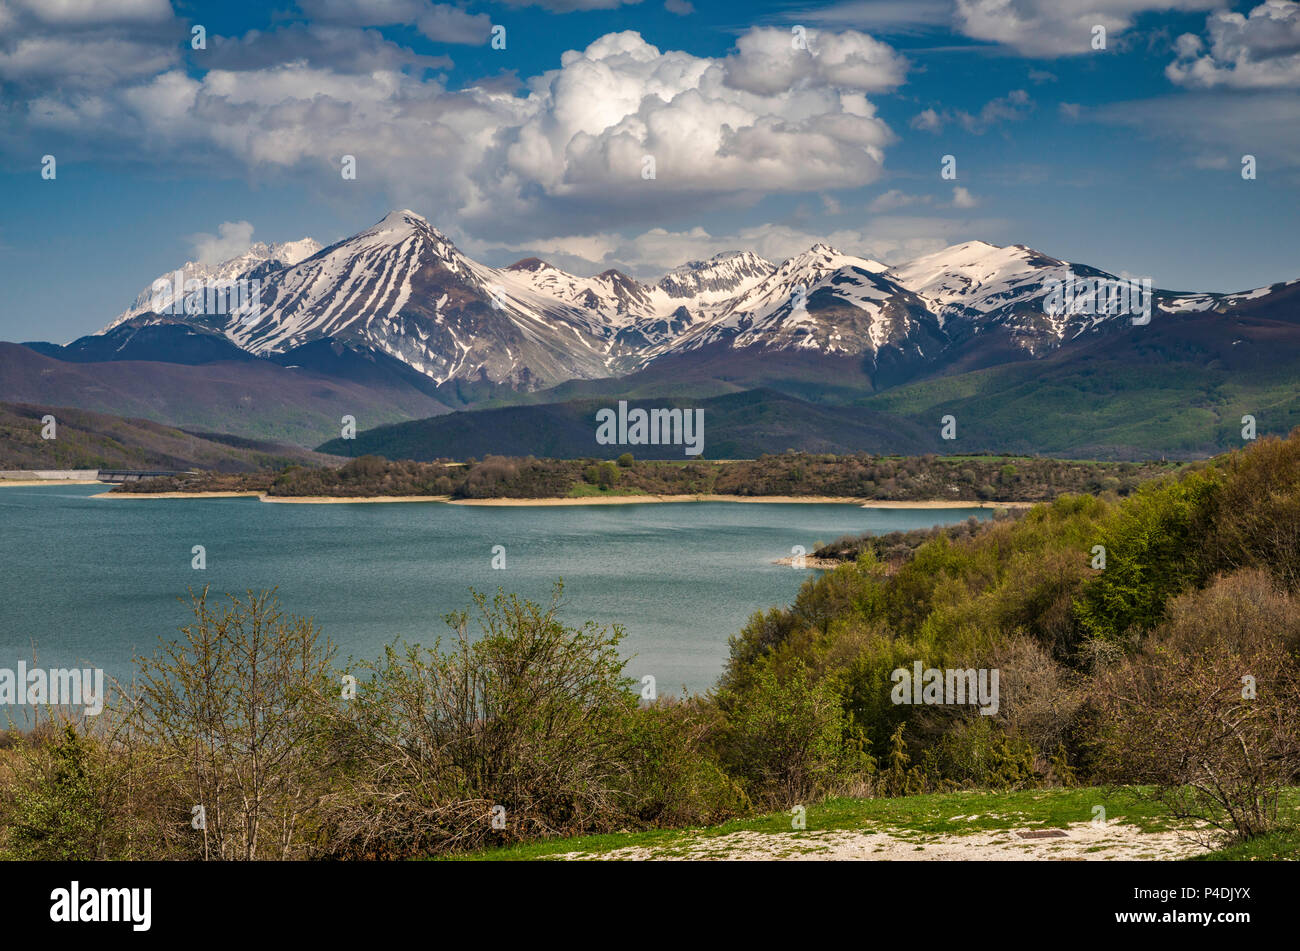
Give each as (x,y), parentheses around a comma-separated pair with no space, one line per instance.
(1127,158)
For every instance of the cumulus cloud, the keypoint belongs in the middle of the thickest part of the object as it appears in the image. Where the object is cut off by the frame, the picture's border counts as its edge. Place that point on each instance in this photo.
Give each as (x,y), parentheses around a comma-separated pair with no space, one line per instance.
(232,239)
(1257,51)
(1057,27)
(96,12)
(85,43)
(572,152)
(344,49)
(83,61)
(711,126)
(894,199)
(1014,106)
(770,60)
(927,120)
(442,22)
(962,198)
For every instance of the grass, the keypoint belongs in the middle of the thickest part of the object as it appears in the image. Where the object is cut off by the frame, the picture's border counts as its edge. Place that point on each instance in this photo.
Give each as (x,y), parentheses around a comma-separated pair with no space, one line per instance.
(920,817)
(1283,845)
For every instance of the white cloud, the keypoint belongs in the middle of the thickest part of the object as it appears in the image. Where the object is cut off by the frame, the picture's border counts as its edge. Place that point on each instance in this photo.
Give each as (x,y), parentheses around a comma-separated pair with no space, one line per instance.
(344,49)
(569,154)
(896,15)
(88,12)
(1258,51)
(441,22)
(571,6)
(767,62)
(83,61)
(894,199)
(1014,106)
(593,122)
(648,255)
(927,120)
(447,24)
(85,43)
(962,198)
(233,238)
(1057,27)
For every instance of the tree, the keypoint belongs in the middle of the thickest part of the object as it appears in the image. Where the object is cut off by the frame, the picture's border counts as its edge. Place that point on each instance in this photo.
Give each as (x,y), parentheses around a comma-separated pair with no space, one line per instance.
(232,710)
(785,735)
(58,812)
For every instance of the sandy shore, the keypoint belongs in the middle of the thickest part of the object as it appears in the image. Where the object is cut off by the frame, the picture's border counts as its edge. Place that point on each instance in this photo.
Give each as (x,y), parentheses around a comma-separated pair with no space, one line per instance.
(584,500)
(327,499)
(769,499)
(177,495)
(263,497)
(645,499)
(943,504)
(20,482)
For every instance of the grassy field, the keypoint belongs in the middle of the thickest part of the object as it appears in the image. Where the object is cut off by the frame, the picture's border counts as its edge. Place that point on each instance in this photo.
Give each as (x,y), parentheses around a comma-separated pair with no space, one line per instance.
(990,822)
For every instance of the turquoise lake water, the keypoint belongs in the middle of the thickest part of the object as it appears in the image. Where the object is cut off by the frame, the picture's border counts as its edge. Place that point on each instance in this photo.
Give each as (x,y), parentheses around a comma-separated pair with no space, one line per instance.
(89,582)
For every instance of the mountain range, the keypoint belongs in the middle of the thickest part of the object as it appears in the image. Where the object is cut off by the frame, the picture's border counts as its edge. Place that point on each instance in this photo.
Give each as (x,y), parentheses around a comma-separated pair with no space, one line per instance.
(409,327)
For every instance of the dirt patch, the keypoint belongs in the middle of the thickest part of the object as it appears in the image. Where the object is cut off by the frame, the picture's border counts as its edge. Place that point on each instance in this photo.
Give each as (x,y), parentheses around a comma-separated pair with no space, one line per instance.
(1082,841)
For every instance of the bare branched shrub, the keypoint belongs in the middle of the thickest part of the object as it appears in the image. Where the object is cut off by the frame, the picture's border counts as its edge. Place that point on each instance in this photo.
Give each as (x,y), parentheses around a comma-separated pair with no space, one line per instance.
(230,713)
(1208,710)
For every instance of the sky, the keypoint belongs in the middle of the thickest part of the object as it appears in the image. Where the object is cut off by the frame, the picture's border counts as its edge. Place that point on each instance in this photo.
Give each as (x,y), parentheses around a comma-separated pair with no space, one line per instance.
(640,135)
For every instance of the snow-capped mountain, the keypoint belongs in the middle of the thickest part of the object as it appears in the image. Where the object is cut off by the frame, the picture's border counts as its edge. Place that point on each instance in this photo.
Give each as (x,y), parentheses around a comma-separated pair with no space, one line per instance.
(822,299)
(707,287)
(618,299)
(259,260)
(402,290)
(976,287)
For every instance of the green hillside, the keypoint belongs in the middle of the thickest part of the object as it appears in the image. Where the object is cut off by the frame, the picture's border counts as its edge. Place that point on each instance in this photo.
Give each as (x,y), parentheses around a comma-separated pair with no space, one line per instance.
(86,440)
(738,425)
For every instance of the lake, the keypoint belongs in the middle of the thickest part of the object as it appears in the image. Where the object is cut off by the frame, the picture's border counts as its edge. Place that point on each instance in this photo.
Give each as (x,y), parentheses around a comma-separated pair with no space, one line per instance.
(89,582)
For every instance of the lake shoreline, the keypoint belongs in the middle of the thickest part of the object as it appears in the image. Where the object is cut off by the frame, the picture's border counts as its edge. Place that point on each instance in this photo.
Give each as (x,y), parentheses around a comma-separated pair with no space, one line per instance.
(581,500)
(20,483)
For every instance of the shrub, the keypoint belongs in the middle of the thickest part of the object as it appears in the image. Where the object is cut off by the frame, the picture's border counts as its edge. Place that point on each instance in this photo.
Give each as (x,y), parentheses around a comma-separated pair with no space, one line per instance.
(531,717)
(1208,710)
(231,710)
(785,737)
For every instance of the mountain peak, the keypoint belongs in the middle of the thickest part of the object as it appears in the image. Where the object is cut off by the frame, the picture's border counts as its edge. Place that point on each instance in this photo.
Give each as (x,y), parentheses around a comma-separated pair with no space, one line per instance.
(528,264)
(402,222)
(404,216)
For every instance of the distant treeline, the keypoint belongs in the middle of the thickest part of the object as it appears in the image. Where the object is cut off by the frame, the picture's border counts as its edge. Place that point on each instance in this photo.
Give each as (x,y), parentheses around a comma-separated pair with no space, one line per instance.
(885,478)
